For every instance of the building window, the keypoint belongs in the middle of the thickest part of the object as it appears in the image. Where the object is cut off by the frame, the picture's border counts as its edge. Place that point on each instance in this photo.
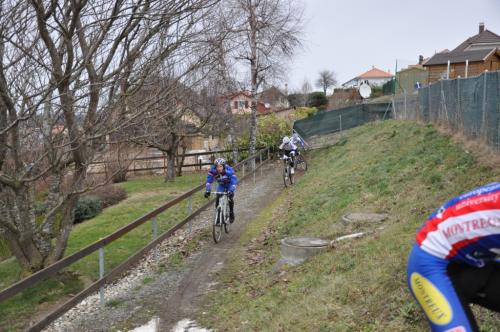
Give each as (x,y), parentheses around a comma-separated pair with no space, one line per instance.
(246,103)
(236,104)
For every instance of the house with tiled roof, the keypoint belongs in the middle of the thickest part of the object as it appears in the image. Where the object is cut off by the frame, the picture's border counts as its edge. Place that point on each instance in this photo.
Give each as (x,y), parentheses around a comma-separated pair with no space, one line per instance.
(475,55)
(374,77)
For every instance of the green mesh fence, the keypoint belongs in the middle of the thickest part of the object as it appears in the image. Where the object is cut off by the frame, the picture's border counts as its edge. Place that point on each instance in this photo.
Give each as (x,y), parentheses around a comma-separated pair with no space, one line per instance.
(467,105)
(328,122)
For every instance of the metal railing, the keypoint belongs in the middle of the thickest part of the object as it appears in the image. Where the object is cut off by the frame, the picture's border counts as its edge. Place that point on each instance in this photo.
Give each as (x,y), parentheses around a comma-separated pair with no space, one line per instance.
(262,156)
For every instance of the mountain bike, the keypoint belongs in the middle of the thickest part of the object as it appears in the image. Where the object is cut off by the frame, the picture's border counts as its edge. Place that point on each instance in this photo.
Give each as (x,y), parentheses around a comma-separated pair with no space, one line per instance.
(287,171)
(221,219)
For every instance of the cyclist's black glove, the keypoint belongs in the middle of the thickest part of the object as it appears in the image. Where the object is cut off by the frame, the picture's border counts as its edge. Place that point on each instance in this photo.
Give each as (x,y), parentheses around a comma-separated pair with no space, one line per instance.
(230,195)
(207,194)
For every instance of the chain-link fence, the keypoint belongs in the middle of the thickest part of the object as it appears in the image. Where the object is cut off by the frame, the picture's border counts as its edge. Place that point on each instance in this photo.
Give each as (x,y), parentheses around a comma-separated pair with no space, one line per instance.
(467,105)
(329,122)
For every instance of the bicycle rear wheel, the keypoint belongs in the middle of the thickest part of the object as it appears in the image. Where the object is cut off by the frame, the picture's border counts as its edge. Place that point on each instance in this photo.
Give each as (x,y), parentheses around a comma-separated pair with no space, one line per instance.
(301,164)
(217,226)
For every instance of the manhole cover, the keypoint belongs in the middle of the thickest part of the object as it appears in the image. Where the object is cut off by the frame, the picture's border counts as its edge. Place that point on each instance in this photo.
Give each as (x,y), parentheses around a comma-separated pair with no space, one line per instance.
(296,250)
(364,216)
(305,242)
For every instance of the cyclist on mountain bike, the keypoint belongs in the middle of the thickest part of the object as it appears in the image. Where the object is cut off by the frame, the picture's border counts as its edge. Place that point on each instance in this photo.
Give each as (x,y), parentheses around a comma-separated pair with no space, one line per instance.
(290,150)
(227,180)
(455,260)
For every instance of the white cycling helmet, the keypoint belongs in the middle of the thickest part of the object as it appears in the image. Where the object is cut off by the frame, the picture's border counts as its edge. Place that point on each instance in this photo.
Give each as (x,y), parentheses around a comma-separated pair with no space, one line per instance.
(220,161)
(286,140)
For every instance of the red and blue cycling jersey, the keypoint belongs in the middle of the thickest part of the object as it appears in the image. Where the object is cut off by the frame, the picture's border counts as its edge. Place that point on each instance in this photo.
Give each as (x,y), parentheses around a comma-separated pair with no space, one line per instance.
(466,229)
(460,238)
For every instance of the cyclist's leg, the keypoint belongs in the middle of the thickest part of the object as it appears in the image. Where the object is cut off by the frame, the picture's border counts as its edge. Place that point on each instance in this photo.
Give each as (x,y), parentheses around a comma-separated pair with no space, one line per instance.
(433,289)
(231,208)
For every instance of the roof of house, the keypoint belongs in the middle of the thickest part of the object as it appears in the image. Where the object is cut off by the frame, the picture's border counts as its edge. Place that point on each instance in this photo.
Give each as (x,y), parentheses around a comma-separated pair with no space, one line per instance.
(485,37)
(375,73)
(458,57)
(485,43)
(271,95)
(372,73)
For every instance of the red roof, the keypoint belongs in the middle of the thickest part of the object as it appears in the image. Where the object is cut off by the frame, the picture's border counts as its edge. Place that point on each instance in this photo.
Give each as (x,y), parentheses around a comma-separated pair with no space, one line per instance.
(375,73)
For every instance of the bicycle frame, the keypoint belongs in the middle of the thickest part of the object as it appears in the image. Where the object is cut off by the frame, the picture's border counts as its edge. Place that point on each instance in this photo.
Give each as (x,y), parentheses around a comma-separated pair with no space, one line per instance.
(221,212)
(223,204)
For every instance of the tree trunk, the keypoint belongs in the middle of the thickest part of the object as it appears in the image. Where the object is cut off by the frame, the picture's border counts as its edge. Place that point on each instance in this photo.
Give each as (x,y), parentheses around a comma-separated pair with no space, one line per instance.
(31,245)
(180,160)
(253,73)
(170,176)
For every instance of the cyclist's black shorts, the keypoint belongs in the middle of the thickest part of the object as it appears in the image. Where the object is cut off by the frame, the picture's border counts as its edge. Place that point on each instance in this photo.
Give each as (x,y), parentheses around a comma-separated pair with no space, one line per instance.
(476,285)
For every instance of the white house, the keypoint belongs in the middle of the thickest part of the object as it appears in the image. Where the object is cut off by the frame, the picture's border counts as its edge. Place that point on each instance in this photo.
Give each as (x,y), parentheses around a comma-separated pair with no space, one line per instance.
(374,77)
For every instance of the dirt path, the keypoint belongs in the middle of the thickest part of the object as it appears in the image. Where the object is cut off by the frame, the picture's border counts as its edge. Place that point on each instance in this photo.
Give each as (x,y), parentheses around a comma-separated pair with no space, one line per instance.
(200,274)
(162,294)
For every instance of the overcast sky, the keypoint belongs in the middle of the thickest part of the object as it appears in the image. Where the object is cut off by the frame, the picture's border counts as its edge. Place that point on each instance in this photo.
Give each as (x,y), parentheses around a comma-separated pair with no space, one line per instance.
(349,36)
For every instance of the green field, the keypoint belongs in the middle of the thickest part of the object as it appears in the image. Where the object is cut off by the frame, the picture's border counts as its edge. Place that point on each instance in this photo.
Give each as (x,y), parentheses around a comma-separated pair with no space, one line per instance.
(144,194)
(404,169)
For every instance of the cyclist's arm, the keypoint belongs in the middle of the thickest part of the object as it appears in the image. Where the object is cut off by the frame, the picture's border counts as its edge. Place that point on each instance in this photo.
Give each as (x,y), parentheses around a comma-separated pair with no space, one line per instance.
(210,180)
(233,180)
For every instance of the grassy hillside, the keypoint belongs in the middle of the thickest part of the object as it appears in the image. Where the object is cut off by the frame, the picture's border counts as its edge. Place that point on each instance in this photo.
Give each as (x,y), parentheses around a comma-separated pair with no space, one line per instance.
(401,168)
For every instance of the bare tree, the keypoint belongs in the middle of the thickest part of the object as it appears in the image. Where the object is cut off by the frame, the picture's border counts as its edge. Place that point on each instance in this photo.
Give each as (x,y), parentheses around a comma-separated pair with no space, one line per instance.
(173,113)
(305,90)
(266,34)
(326,80)
(67,72)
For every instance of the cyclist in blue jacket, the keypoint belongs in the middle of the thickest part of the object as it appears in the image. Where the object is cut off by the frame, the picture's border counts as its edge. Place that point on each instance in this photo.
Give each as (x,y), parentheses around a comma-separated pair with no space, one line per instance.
(227,181)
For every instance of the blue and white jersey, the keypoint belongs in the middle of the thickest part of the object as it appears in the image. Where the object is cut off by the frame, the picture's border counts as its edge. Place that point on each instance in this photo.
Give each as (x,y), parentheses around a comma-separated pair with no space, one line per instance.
(227,180)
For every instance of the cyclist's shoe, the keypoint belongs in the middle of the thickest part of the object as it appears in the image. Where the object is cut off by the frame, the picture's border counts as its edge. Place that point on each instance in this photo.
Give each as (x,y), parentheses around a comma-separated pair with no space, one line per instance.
(231,217)
(292,170)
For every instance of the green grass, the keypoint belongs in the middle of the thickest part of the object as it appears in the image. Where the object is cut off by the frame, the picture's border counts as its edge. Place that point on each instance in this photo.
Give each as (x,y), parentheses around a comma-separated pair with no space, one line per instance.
(144,194)
(402,168)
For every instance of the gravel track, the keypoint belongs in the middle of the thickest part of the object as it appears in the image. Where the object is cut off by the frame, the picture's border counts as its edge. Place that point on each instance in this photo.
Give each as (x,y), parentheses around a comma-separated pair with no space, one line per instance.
(172,292)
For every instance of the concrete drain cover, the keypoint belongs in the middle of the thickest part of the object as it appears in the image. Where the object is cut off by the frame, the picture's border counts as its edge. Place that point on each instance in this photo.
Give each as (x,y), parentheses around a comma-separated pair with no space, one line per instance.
(364,217)
(296,250)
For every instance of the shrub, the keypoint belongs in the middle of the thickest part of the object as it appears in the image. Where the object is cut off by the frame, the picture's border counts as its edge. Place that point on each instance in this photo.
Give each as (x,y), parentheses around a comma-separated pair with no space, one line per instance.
(87,207)
(269,133)
(305,112)
(317,99)
(109,195)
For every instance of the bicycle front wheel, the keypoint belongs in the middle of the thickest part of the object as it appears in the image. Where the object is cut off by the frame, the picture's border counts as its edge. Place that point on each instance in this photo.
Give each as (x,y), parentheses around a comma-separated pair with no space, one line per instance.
(285,176)
(217,226)
(226,220)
